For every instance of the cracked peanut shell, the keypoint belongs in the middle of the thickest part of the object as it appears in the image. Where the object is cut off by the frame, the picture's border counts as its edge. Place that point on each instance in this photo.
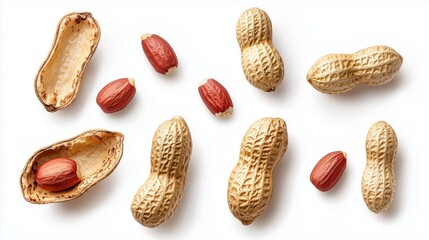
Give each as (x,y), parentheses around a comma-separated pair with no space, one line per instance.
(250,184)
(158,198)
(58,80)
(96,152)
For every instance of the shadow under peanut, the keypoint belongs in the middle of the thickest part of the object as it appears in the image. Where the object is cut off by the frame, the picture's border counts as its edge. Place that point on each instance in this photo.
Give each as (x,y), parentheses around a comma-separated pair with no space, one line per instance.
(91,199)
(277,95)
(366,91)
(400,180)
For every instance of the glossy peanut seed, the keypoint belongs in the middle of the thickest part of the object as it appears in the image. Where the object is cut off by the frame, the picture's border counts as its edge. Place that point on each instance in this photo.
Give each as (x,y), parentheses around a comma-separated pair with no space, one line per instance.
(116,95)
(57,174)
(216,98)
(328,170)
(159,53)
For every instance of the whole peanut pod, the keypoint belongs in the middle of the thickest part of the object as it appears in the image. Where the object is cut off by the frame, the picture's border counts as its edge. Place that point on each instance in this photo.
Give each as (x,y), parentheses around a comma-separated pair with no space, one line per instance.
(378,180)
(158,198)
(339,73)
(261,62)
(250,184)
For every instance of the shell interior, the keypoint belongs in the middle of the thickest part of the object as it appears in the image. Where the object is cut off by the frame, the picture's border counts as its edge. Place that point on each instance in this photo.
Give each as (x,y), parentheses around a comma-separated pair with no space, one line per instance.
(96,152)
(59,77)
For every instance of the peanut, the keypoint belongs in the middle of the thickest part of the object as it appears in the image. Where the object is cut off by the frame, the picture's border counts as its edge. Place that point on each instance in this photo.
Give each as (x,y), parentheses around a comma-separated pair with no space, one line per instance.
(57,174)
(96,153)
(339,73)
(261,62)
(250,184)
(216,98)
(159,53)
(378,180)
(116,95)
(328,170)
(58,80)
(158,198)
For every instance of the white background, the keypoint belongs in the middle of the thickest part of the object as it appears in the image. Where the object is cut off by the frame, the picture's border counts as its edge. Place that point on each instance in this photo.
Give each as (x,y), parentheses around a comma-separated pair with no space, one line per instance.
(203,36)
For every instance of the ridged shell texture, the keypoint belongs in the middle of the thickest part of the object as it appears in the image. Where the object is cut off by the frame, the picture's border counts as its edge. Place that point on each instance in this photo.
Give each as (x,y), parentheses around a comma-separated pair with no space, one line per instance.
(378,180)
(261,62)
(251,182)
(158,198)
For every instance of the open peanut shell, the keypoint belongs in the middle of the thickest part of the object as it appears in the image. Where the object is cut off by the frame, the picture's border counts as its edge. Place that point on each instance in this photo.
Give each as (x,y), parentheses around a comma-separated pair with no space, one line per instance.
(96,152)
(60,75)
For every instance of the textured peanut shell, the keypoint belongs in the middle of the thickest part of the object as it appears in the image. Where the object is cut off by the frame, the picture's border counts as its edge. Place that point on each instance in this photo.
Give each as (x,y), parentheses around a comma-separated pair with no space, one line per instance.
(96,152)
(58,80)
(261,62)
(250,184)
(158,198)
(378,180)
(339,73)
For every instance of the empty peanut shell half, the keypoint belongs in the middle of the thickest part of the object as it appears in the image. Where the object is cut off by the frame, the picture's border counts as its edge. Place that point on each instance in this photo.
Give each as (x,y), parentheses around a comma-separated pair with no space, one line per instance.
(96,152)
(60,75)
